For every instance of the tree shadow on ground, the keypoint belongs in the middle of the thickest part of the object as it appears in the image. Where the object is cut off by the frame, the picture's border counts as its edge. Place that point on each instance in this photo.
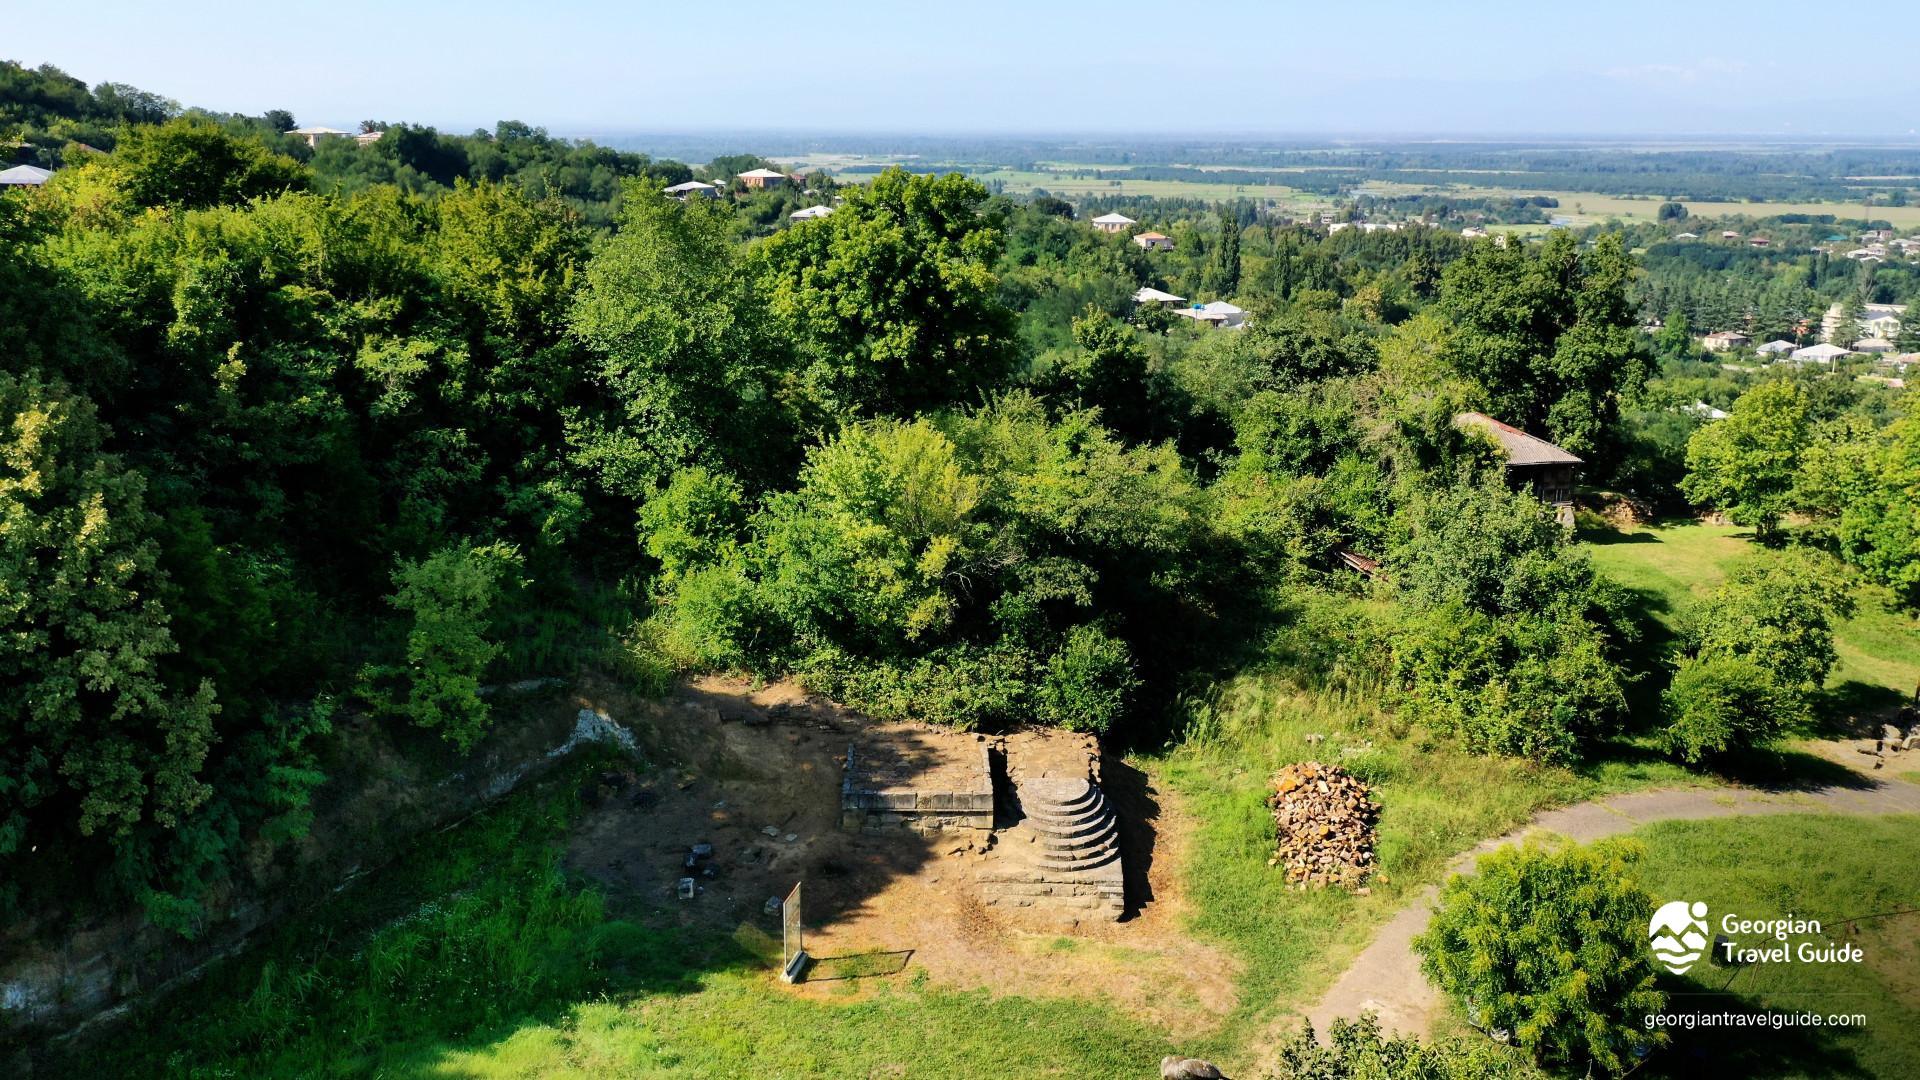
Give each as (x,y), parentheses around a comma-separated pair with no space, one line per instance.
(1705,1053)
(1780,771)
(1609,537)
(1853,710)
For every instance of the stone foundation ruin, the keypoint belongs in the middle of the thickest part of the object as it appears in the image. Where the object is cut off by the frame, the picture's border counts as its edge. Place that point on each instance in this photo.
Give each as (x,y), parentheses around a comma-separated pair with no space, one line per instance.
(1051,840)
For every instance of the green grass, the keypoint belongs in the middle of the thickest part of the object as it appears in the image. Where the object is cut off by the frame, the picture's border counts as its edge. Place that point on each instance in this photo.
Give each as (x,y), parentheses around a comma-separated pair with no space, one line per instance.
(475,956)
(1437,801)
(1672,565)
(1825,868)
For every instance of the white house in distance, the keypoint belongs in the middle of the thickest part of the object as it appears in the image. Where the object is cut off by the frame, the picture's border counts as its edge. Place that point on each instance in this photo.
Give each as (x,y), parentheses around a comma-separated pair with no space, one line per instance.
(1777,347)
(313,135)
(25,176)
(1112,223)
(1823,353)
(1149,295)
(1724,340)
(1220,314)
(692,187)
(1876,321)
(1704,411)
(811,213)
(1153,241)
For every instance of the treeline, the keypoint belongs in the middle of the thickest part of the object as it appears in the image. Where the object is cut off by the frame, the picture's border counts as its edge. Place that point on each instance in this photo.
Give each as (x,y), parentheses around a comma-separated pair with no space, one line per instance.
(280,447)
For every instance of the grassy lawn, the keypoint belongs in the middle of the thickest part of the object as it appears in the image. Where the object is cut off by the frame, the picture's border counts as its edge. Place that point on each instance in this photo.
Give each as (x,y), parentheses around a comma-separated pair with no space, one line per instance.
(1826,868)
(1437,800)
(1672,565)
(475,956)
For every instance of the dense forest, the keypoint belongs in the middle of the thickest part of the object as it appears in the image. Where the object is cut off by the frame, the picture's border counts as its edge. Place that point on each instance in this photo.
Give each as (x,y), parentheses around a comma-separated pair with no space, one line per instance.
(296,431)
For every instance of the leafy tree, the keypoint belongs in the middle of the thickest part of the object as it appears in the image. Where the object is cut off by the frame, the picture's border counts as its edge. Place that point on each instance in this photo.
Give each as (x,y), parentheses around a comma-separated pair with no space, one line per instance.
(1548,944)
(1671,211)
(893,298)
(1222,277)
(686,351)
(191,164)
(1720,703)
(1776,610)
(450,599)
(1109,373)
(1745,465)
(99,735)
(1514,638)
(1549,335)
(1675,339)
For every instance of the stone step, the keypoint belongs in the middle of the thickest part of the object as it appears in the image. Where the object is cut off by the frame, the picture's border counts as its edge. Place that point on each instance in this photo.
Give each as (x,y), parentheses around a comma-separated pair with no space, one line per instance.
(1058,797)
(1070,826)
(1064,845)
(1089,860)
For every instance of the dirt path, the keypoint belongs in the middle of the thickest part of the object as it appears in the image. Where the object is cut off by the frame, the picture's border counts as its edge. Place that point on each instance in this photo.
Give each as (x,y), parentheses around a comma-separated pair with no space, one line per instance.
(1385,978)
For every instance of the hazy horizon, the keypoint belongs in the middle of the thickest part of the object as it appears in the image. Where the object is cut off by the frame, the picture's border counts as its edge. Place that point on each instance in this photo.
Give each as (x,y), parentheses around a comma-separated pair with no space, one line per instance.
(1637,71)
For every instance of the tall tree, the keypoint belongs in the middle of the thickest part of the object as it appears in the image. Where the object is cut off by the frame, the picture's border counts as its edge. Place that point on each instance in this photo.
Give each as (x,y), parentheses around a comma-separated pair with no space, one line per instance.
(1549,334)
(893,298)
(96,736)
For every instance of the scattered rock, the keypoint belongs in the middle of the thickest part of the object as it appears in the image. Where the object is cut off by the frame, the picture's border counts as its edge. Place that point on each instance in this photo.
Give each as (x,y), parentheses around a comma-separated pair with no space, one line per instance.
(1174,1067)
(771,830)
(1323,819)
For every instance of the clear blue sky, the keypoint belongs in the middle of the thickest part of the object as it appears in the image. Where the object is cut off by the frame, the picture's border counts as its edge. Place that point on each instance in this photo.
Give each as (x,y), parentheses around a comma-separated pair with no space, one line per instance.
(1051,66)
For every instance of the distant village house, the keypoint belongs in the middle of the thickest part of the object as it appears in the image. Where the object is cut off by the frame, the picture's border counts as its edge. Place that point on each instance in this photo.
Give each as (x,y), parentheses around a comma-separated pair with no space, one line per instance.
(1112,223)
(692,187)
(1220,314)
(1149,295)
(1725,340)
(24,176)
(762,179)
(314,135)
(1153,241)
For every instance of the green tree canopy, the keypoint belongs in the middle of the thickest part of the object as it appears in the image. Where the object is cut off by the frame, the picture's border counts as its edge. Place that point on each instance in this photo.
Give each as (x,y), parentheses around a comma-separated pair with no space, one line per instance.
(893,298)
(1548,944)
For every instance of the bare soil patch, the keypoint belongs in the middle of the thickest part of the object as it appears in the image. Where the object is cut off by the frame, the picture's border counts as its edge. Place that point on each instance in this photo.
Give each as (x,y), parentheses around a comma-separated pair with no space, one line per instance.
(737,761)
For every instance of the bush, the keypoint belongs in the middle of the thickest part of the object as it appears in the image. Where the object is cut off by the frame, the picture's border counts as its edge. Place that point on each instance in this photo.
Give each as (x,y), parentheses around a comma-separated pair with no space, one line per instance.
(1720,704)
(1778,611)
(1089,683)
(1548,944)
(450,601)
(1357,1050)
(1529,685)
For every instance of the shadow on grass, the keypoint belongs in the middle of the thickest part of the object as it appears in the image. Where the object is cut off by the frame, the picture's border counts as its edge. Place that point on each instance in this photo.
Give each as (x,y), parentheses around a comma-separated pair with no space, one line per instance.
(864,965)
(1782,771)
(1609,537)
(1757,1052)
(1852,709)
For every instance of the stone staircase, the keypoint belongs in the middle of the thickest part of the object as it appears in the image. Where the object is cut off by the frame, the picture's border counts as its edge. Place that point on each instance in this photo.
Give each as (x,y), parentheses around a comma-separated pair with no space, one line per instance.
(1063,858)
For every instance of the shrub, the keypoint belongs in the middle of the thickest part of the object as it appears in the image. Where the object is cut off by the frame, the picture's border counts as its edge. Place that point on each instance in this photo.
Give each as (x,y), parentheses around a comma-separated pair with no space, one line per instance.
(1547,943)
(1357,1050)
(451,600)
(1529,685)
(1778,611)
(1089,683)
(1723,703)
